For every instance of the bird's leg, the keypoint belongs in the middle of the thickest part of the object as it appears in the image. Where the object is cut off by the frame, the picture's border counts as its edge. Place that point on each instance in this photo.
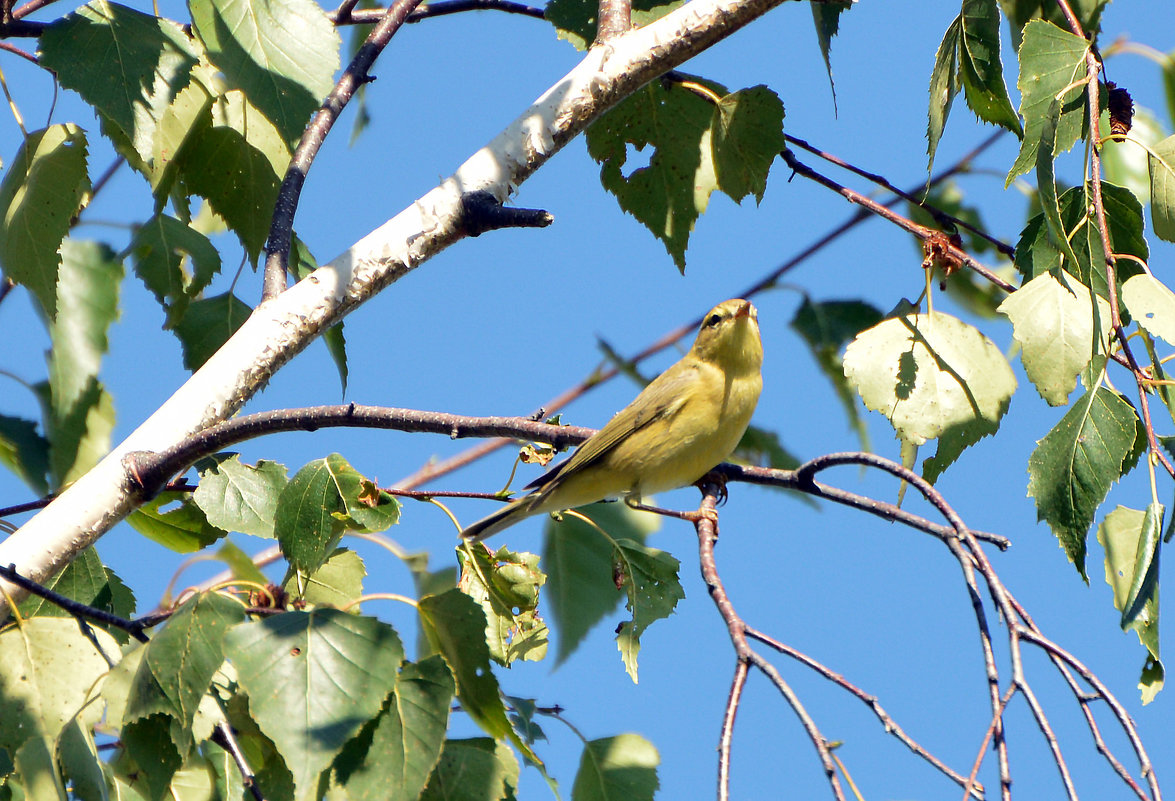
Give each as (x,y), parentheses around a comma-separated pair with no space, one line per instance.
(693,517)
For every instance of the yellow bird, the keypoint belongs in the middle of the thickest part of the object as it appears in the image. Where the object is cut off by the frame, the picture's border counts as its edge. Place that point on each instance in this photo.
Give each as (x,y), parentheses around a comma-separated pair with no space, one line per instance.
(684,423)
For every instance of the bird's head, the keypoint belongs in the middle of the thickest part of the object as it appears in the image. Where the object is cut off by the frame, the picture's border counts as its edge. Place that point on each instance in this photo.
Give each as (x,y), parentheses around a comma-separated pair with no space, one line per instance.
(729,337)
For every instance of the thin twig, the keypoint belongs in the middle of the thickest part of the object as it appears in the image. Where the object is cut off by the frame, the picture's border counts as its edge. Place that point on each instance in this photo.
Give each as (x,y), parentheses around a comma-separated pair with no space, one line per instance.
(707,530)
(941,216)
(891,726)
(921,231)
(367,16)
(18,52)
(281,229)
(135,628)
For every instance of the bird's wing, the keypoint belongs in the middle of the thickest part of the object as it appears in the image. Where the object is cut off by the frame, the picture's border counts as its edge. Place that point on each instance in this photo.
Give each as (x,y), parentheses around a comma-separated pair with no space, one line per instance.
(665,396)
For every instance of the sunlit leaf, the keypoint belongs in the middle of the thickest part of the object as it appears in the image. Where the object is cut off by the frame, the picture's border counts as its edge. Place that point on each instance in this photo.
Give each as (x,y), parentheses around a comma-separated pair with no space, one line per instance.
(44,187)
(617,767)
(1053,320)
(313,680)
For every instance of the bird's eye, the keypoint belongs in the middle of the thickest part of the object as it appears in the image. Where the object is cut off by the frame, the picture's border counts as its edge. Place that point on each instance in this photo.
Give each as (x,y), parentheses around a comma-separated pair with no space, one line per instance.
(713,320)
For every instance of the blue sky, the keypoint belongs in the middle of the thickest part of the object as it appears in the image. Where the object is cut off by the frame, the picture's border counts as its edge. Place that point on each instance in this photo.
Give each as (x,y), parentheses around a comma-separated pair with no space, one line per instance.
(501,323)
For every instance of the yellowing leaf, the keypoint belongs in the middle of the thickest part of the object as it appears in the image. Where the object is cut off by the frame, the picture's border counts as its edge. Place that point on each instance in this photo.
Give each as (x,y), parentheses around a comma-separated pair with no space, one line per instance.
(1151,304)
(928,373)
(1053,321)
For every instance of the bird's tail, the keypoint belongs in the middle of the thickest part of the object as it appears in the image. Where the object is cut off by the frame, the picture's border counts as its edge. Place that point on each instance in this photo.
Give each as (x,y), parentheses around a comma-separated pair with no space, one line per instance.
(505,517)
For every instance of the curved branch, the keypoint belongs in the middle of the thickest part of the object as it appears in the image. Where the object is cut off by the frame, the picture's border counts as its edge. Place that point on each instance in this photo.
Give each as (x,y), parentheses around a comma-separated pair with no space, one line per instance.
(707,529)
(280,328)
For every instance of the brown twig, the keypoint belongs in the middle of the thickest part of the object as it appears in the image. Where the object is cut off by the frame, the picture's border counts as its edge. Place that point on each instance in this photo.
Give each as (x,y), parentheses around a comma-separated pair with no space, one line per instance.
(938,214)
(30,7)
(891,726)
(707,530)
(281,229)
(151,470)
(1092,70)
(135,628)
(921,231)
(367,16)
(18,52)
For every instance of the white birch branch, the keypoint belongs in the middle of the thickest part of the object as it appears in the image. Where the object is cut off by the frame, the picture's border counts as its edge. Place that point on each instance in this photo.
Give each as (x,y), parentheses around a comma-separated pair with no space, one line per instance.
(281,327)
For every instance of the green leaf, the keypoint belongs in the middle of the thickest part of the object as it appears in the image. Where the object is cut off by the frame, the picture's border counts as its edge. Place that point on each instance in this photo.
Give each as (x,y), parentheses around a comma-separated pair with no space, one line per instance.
(506,586)
(45,187)
(1020,12)
(1097,441)
(37,772)
(184,655)
(980,68)
(25,452)
(313,680)
(237,496)
(236,164)
(1053,320)
(1151,304)
(241,565)
(307,522)
(617,767)
(394,761)
(86,580)
(148,742)
(159,249)
(338,582)
(575,20)
(1152,679)
(1130,539)
(944,85)
(367,508)
(746,135)
(87,297)
(208,325)
(826,327)
(1050,60)
(81,416)
(183,529)
(826,16)
(581,589)
(1036,253)
(1161,165)
(47,667)
(648,577)
(80,763)
(1046,185)
(1168,72)
(523,712)
(131,67)
(282,54)
(932,375)
(668,195)
(455,627)
(475,769)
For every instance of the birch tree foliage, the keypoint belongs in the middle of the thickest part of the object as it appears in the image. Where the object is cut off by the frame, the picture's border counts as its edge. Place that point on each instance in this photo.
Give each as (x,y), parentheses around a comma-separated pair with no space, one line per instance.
(322,695)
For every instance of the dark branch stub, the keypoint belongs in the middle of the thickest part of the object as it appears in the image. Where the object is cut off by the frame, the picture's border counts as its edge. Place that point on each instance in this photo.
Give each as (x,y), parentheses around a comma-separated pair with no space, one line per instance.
(481,212)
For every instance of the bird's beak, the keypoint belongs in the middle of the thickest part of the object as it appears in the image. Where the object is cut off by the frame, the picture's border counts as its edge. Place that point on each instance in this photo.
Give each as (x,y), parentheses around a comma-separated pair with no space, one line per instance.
(744,310)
